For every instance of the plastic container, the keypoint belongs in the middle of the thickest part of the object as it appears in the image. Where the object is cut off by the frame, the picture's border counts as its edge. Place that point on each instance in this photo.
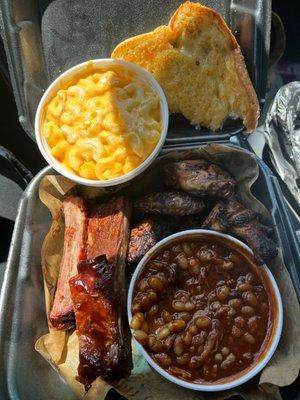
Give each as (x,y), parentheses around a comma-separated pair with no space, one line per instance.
(22,308)
(103,64)
(267,276)
(43,38)
(25,27)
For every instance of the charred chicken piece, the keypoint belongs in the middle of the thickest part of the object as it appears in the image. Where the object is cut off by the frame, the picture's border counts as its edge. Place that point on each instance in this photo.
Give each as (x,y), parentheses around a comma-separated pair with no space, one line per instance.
(253,234)
(232,217)
(146,234)
(193,221)
(245,225)
(217,219)
(104,349)
(169,203)
(201,177)
(237,214)
(62,315)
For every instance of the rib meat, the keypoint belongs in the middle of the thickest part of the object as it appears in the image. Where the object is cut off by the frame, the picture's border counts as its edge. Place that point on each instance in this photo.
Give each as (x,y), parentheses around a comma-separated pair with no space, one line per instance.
(232,217)
(201,177)
(104,349)
(169,203)
(146,234)
(99,298)
(108,228)
(62,315)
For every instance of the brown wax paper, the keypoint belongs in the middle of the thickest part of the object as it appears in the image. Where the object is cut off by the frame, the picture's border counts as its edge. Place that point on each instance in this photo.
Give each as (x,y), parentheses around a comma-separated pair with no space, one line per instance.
(60,348)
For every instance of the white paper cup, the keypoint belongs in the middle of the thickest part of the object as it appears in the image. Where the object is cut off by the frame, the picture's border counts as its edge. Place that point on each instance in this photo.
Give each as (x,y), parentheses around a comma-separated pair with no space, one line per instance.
(244,376)
(104,63)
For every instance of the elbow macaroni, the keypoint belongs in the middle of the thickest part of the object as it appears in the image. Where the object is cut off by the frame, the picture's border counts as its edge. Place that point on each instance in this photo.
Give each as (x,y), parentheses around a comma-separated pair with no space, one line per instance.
(104,125)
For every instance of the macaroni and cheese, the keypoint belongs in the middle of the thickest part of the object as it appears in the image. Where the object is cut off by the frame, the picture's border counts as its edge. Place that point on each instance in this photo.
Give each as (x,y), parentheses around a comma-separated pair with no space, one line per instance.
(103,124)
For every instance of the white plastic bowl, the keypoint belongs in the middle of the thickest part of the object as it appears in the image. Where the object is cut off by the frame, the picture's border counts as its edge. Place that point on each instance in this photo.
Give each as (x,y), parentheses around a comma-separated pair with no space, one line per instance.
(244,376)
(104,63)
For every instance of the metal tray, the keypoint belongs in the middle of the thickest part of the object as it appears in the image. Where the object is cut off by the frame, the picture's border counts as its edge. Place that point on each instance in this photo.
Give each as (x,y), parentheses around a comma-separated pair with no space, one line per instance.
(31,27)
(24,374)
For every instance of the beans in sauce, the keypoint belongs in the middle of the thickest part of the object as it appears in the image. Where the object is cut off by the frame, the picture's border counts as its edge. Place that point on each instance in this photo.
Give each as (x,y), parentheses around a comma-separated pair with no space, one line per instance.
(201,311)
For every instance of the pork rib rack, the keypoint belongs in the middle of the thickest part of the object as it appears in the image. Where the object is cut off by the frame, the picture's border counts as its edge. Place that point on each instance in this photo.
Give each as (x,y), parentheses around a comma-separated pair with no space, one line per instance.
(98,294)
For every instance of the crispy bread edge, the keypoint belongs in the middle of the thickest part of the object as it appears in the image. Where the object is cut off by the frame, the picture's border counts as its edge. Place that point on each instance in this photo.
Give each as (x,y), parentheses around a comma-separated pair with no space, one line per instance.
(252,115)
(253,112)
(122,47)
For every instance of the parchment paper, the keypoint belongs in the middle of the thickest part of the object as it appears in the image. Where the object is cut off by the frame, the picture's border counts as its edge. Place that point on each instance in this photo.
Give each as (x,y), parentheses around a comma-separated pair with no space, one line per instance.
(60,349)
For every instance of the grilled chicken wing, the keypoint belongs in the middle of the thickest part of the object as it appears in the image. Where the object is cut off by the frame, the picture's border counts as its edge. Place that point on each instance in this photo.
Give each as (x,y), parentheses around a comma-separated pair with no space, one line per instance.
(146,234)
(253,234)
(216,219)
(169,203)
(232,217)
(201,177)
(237,214)
(193,221)
(62,315)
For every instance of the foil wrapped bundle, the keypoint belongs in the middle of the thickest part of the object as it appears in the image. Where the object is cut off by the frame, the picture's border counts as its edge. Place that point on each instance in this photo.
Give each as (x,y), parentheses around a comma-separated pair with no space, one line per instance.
(282,134)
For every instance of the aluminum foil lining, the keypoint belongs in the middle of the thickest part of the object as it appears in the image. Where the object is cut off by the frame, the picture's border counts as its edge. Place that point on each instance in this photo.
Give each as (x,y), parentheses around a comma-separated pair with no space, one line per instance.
(282,134)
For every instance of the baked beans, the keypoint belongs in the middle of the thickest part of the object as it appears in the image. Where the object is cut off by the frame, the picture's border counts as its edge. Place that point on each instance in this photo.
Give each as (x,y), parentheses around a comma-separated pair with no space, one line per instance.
(201,311)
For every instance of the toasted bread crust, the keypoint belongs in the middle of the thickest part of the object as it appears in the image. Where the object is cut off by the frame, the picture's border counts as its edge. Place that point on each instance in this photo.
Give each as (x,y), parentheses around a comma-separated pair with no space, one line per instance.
(200,12)
(252,113)
(219,89)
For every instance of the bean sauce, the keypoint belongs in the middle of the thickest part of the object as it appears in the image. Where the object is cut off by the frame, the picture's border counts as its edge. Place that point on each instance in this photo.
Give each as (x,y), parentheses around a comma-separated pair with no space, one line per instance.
(201,311)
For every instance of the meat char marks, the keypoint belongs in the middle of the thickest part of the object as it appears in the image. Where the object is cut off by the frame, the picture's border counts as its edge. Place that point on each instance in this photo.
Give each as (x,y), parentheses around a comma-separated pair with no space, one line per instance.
(62,315)
(169,203)
(232,217)
(145,234)
(98,294)
(201,177)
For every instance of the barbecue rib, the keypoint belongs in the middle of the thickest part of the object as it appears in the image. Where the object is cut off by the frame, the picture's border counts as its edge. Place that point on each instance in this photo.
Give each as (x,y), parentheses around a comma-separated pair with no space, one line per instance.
(146,234)
(98,294)
(232,217)
(169,203)
(103,344)
(201,177)
(108,228)
(62,315)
